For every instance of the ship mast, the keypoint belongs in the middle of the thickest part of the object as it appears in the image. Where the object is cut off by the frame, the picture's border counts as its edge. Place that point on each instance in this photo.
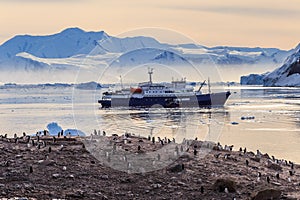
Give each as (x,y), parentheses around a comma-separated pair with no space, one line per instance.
(150,72)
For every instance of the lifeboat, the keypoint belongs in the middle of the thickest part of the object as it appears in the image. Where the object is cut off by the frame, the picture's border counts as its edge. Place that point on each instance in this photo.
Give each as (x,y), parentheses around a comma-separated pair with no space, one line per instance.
(136,90)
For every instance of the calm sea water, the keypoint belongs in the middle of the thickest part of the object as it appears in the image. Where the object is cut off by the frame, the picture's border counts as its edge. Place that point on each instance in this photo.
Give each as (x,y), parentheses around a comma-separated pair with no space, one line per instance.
(275,128)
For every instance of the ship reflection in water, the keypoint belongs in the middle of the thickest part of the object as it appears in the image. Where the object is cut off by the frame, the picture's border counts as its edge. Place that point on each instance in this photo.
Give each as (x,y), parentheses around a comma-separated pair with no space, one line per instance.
(188,123)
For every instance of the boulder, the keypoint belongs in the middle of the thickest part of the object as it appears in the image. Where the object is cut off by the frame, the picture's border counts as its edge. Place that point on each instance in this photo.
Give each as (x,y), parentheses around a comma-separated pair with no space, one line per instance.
(267,194)
(221,184)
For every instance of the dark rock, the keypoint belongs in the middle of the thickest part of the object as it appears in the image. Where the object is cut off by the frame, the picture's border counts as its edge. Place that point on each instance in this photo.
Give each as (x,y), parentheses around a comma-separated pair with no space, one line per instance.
(267,194)
(274,166)
(176,168)
(221,184)
(256,159)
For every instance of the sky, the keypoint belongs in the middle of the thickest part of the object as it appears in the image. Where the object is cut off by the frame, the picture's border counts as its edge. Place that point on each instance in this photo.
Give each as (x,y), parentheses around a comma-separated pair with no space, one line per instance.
(263,23)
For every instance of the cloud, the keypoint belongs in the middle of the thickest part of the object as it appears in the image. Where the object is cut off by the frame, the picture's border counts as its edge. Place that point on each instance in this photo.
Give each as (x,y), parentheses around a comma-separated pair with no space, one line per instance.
(42,1)
(240,10)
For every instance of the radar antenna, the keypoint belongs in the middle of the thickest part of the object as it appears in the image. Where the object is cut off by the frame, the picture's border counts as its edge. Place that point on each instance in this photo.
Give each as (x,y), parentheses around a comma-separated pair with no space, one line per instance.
(150,72)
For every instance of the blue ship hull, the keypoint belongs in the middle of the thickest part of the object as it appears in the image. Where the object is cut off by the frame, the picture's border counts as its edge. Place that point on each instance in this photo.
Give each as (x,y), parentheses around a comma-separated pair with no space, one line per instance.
(200,100)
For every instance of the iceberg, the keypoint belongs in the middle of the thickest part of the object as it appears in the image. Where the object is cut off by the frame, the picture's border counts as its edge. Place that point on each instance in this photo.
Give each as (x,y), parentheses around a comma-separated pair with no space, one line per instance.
(54,129)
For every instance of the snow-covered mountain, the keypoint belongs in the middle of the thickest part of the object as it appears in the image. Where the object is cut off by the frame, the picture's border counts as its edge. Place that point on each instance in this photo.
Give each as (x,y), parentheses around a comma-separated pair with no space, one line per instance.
(74,49)
(70,42)
(288,74)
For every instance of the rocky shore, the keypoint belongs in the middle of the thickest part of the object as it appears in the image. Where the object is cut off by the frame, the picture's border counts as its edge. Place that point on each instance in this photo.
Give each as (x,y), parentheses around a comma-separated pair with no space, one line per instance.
(63,168)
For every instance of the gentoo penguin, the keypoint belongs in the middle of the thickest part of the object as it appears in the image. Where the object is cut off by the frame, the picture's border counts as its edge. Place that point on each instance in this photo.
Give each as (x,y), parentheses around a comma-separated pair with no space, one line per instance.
(268,179)
(153,140)
(139,148)
(30,169)
(258,176)
(202,189)
(181,148)
(176,150)
(161,142)
(247,162)
(195,152)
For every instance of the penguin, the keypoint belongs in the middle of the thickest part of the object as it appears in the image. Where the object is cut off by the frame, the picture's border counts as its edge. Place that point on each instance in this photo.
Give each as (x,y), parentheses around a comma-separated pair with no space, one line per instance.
(226,190)
(15,136)
(241,149)
(245,150)
(149,137)
(161,142)
(24,134)
(30,169)
(104,133)
(83,146)
(202,189)
(195,152)
(181,148)
(176,150)
(259,174)
(54,139)
(247,162)
(291,172)
(49,149)
(268,179)
(153,140)
(218,155)
(139,148)
(277,175)
(273,158)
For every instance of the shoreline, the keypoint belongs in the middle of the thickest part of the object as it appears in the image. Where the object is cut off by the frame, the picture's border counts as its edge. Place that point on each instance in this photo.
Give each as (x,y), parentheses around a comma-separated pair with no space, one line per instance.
(63,168)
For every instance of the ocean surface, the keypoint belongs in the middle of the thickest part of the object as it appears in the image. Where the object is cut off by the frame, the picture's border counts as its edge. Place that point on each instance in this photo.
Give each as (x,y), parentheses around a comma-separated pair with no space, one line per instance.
(261,118)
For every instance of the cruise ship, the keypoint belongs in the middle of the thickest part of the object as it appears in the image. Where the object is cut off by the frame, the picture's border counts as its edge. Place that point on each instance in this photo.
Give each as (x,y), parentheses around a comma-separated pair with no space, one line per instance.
(171,95)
